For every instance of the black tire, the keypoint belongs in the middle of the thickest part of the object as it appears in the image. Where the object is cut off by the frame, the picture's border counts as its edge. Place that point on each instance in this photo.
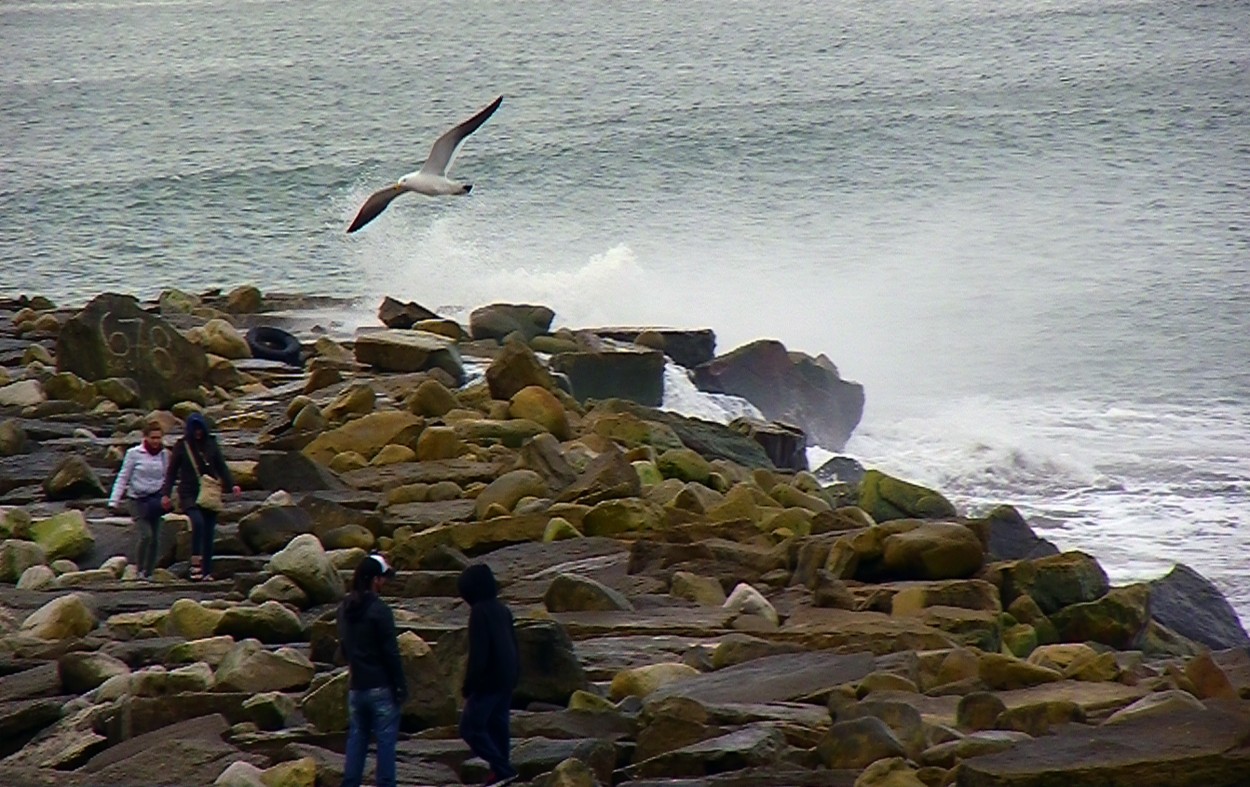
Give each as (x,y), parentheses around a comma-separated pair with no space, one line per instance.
(274,344)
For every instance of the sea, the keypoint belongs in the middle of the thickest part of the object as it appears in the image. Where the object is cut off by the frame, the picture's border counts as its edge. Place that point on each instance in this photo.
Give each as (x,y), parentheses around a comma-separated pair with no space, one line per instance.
(1022,225)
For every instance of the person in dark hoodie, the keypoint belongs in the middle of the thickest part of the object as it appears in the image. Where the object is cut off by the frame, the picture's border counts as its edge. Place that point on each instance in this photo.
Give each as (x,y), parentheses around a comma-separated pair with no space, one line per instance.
(194,455)
(377,689)
(491,675)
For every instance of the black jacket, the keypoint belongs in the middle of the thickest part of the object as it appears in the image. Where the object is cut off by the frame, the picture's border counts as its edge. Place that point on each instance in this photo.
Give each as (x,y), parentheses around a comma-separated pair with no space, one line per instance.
(494,664)
(367,637)
(182,471)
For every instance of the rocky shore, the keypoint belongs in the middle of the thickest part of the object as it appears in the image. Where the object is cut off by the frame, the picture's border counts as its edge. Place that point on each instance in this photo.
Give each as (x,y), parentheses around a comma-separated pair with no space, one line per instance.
(695,605)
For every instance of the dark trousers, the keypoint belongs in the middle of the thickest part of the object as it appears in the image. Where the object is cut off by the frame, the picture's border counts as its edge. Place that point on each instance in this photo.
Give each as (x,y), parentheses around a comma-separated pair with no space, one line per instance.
(203,531)
(484,726)
(147,513)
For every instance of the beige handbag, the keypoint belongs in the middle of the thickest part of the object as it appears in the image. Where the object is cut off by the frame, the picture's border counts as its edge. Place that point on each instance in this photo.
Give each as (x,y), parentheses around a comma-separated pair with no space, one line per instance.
(209,497)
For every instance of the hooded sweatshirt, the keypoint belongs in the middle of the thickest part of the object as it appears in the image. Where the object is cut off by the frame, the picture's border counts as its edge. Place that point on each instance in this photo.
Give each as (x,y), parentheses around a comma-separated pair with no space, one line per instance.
(494,664)
(367,635)
(208,461)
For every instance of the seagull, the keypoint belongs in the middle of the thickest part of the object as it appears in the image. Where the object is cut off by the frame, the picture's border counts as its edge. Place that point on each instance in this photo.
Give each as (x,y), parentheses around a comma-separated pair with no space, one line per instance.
(431,179)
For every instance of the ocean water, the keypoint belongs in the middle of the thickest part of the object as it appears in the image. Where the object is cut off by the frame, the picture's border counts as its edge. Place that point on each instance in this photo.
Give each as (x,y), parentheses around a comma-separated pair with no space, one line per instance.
(1021,224)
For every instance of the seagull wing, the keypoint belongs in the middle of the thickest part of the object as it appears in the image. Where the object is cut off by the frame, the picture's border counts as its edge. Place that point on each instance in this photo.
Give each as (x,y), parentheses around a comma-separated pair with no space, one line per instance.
(376,203)
(445,147)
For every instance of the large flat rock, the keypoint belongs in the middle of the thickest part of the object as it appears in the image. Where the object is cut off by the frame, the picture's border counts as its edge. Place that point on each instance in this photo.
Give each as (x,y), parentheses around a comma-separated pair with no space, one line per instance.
(784,678)
(815,627)
(1206,748)
(462,471)
(673,621)
(1097,700)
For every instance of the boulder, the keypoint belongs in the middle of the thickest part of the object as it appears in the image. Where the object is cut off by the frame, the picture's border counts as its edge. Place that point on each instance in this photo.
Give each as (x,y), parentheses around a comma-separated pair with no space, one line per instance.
(785,444)
(688,348)
(269,622)
(684,464)
(281,589)
(623,517)
(1193,607)
(81,671)
(304,561)
(17,556)
(64,617)
(114,337)
(210,650)
(643,681)
(190,619)
(355,399)
(1161,703)
(608,476)
(1144,752)
(573,593)
(366,435)
(223,339)
(755,745)
(858,743)
(439,442)
(747,599)
(889,772)
(704,591)
(23,393)
(509,488)
(1011,538)
(36,578)
(790,387)
(515,369)
(500,320)
(1056,581)
(409,351)
(64,535)
(933,550)
(122,391)
(1118,619)
(431,697)
(270,528)
(325,706)
(541,406)
(251,668)
(12,438)
(292,471)
(395,314)
(73,479)
(885,497)
(67,386)
(431,399)
(633,374)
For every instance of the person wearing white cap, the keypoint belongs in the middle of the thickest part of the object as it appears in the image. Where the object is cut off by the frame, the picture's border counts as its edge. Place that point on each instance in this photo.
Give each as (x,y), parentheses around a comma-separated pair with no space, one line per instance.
(377,688)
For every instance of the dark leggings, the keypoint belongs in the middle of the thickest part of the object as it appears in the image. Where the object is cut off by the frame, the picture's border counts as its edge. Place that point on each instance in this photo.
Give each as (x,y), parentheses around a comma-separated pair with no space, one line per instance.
(203,530)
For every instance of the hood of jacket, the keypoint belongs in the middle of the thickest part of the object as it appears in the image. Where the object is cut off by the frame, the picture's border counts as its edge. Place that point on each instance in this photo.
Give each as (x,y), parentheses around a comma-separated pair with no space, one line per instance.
(356,606)
(477,583)
(194,421)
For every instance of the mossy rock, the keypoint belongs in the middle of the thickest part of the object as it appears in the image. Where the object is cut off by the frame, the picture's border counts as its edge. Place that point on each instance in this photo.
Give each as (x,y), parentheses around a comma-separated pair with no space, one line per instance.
(685,465)
(885,497)
(1118,619)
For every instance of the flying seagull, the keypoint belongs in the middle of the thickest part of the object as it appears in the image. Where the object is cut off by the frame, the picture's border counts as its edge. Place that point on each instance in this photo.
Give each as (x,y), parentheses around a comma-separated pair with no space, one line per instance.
(431,179)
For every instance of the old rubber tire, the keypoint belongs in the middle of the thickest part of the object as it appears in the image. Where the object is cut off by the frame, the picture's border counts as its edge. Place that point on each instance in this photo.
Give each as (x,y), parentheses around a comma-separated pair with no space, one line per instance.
(274,344)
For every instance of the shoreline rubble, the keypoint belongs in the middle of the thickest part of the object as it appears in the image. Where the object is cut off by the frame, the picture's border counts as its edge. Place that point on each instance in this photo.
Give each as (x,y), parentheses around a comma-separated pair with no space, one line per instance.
(694,605)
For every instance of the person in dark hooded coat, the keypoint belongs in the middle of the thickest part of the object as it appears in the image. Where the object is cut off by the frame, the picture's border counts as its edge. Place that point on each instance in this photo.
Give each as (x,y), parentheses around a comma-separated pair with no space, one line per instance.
(377,688)
(491,674)
(194,455)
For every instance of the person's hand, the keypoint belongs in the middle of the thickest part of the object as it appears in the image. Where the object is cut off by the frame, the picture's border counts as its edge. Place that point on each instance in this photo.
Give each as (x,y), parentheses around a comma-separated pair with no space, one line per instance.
(115,507)
(166,503)
(237,490)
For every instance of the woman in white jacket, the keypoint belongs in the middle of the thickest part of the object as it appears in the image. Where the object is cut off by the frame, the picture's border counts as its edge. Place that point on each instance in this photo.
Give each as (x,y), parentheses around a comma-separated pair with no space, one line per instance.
(140,482)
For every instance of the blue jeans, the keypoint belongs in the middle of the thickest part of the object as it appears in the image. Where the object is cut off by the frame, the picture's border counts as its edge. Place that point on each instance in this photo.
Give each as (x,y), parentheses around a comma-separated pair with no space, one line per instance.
(484,726)
(203,531)
(371,713)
